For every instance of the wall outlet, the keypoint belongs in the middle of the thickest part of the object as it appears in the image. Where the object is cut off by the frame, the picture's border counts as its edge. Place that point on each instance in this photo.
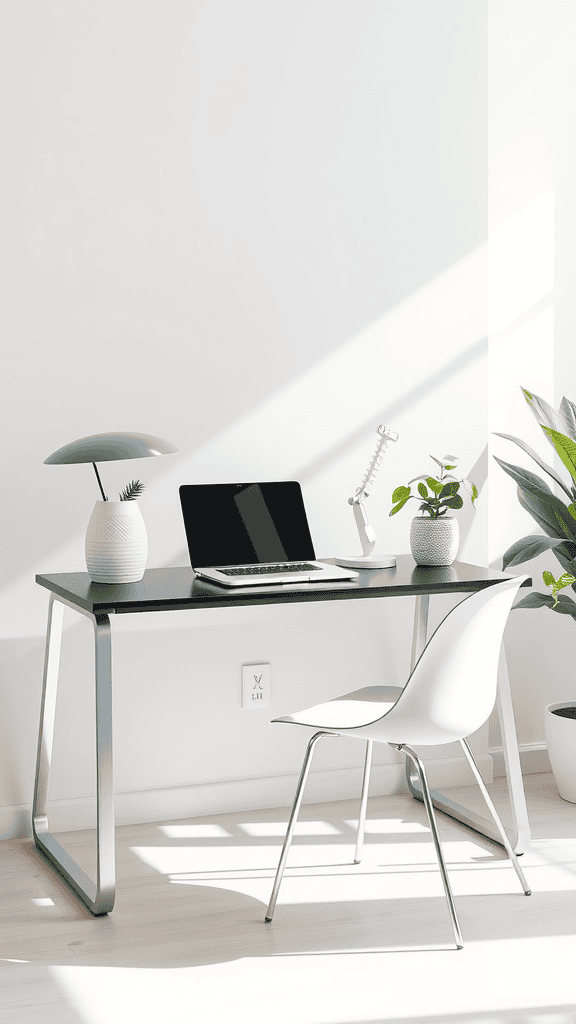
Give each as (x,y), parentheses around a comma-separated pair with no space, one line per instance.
(256,686)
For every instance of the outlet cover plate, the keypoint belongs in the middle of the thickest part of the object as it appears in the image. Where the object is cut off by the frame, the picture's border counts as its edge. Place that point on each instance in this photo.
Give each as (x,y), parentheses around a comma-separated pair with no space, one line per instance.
(256,686)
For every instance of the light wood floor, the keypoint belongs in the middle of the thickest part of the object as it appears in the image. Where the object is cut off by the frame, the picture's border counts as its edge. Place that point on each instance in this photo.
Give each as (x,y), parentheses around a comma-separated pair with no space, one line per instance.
(186,941)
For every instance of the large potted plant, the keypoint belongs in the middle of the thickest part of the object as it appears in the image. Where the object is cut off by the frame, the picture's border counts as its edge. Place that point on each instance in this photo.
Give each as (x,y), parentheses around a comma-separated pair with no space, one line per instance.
(556,517)
(435,536)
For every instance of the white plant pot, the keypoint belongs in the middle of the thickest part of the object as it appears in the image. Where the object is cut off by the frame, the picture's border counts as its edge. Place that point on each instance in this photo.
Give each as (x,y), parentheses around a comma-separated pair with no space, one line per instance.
(434,541)
(116,543)
(561,742)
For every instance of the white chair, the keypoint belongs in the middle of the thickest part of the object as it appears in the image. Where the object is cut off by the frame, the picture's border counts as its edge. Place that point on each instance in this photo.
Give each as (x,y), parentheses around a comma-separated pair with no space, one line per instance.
(450,693)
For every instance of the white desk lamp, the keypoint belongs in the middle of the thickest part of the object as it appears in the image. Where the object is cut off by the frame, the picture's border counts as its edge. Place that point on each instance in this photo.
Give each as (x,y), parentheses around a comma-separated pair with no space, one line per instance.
(367,536)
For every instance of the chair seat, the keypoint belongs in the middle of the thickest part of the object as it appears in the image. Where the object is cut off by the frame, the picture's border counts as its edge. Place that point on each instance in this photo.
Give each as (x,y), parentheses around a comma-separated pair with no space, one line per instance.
(350,711)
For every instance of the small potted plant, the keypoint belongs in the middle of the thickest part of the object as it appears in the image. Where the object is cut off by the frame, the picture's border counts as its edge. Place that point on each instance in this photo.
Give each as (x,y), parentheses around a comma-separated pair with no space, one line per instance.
(116,540)
(434,536)
(556,517)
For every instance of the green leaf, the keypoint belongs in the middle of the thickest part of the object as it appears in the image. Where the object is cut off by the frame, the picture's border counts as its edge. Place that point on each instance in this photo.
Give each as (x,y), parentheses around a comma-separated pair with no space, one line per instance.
(423,490)
(567,561)
(540,462)
(535,601)
(398,506)
(531,483)
(568,411)
(544,413)
(548,579)
(541,513)
(433,484)
(401,493)
(566,606)
(572,509)
(567,525)
(565,449)
(528,547)
(455,502)
(449,467)
(449,489)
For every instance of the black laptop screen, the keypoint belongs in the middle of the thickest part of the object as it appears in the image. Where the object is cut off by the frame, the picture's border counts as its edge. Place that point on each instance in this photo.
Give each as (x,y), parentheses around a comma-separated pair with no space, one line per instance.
(244,524)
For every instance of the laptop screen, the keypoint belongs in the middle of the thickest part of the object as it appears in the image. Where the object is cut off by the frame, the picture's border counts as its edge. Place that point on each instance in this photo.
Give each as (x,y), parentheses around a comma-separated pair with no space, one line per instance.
(245,524)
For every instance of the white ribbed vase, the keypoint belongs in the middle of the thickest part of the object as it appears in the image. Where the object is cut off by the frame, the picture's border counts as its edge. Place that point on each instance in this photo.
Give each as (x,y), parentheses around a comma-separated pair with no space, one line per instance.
(434,541)
(116,543)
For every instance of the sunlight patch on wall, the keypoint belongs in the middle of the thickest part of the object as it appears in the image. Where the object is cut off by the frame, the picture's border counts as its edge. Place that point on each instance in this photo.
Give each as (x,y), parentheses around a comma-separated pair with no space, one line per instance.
(521,353)
(319,428)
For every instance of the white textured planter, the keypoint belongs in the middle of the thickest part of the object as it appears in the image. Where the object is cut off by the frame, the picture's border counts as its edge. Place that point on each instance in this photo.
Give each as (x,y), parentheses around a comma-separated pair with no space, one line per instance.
(434,541)
(116,543)
(561,742)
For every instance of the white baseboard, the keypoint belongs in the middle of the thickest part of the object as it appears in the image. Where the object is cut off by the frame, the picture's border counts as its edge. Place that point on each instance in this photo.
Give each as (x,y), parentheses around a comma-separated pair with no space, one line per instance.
(533,759)
(242,795)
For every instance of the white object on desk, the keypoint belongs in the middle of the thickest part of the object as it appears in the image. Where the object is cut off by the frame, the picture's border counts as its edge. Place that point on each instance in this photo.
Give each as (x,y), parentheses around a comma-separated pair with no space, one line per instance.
(369,560)
(116,543)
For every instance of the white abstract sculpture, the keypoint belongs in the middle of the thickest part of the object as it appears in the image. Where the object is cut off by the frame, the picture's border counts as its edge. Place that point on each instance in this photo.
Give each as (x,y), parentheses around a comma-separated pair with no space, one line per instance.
(368,560)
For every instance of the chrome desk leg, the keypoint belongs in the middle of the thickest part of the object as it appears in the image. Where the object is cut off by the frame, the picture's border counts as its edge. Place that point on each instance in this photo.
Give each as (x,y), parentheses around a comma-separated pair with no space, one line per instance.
(520,833)
(99,895)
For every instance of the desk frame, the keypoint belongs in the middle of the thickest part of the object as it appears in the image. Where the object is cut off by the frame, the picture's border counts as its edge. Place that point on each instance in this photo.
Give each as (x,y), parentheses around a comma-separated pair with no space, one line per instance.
(97,601)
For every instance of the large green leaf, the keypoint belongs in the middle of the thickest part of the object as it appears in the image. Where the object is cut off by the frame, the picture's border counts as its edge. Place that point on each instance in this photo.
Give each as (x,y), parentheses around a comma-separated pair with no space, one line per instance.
(454,502)
(535,601)
(545,414)
(566,559)
(566,523)
(531,483)
(568,411)
(566,606)
(540,462)
(527,548)
(565,449)
(540,513)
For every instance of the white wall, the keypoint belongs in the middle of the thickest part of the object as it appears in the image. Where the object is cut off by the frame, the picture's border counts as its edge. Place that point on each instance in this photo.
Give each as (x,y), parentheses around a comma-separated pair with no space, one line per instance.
(258,230)
(532,293)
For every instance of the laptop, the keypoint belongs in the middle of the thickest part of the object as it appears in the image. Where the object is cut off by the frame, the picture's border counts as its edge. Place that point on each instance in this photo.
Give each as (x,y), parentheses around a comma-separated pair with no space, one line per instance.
(251,534)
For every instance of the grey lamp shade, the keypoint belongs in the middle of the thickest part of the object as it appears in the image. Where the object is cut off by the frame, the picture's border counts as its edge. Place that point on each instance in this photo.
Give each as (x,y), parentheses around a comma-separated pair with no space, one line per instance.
(110,448)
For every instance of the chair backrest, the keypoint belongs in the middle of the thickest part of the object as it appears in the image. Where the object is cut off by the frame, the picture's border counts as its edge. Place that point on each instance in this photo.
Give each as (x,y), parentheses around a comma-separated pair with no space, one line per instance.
(452,688)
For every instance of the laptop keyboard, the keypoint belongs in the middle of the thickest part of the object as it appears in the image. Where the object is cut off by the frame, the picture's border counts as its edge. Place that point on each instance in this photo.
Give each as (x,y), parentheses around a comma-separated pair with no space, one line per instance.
(257,570)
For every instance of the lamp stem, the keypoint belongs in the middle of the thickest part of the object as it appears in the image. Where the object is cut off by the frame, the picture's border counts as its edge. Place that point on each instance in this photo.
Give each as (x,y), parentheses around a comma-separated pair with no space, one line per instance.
(99,481)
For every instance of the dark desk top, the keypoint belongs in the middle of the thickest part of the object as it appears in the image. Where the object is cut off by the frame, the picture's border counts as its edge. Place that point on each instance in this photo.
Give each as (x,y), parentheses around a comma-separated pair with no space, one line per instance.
(179,588)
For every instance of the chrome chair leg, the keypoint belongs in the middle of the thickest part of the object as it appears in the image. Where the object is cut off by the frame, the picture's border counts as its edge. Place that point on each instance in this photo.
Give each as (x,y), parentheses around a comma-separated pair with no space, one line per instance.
(363,801)
(434,829)
(505,841)
(292,822)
